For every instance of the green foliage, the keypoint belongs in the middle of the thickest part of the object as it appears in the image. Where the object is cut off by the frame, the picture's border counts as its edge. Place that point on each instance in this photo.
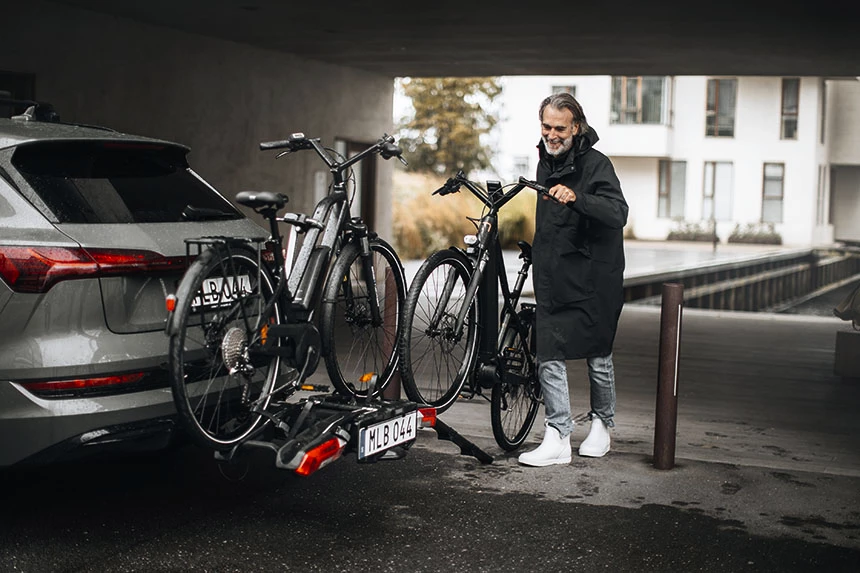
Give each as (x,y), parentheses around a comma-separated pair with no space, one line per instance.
(756,233)
(686,231)
(451,115)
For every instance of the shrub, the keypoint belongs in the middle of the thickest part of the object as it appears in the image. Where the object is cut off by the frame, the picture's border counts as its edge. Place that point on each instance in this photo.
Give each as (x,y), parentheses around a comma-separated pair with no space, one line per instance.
(424,223)
(686,231)
(756,233)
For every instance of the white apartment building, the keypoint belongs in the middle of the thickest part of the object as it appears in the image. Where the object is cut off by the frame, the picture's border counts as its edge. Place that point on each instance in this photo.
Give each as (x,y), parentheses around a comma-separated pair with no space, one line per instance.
(735,150)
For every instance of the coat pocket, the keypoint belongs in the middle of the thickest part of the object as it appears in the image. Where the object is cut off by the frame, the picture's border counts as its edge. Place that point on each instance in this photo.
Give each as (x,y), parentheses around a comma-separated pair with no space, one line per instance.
(573,281)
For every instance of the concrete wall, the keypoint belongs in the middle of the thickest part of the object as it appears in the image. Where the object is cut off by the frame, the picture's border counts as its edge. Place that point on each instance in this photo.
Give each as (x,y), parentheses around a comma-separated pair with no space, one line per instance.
(220,98)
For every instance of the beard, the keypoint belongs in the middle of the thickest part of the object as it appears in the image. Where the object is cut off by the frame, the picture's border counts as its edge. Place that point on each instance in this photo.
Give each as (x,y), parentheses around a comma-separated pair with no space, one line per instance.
(565,146)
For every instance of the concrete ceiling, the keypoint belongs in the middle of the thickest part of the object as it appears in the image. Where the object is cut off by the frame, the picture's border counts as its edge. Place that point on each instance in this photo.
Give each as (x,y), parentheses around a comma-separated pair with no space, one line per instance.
(504,37)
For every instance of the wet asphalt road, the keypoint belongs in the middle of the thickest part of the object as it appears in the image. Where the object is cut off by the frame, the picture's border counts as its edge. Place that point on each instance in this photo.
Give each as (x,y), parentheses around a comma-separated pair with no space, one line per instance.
(434,510)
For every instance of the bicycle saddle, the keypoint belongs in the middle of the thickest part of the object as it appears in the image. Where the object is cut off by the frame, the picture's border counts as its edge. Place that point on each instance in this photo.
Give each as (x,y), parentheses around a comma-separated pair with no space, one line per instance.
(255,199)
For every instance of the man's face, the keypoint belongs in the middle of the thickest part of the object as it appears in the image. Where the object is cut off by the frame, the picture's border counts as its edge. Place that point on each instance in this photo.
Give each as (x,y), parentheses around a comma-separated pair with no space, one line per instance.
(557,130)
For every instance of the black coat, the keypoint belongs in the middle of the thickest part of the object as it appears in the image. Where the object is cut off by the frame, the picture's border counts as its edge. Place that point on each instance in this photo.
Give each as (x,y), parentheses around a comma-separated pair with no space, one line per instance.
(579,254)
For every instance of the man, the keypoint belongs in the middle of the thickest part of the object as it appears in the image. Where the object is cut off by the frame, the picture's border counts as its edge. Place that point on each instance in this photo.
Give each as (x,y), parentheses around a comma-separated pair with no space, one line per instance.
(578,257)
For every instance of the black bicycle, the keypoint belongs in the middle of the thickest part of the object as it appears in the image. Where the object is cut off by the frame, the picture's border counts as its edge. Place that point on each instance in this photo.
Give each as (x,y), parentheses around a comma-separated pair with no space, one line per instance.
(452,334)
(242,329)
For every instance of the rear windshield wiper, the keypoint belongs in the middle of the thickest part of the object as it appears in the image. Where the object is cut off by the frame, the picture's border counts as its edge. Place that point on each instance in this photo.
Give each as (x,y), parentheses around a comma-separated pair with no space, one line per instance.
(192,213)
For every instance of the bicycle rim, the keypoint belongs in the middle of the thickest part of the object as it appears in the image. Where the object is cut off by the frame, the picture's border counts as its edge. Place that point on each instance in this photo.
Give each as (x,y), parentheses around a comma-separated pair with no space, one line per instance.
(515,400)
(219,383)
(436,361)
(353,344)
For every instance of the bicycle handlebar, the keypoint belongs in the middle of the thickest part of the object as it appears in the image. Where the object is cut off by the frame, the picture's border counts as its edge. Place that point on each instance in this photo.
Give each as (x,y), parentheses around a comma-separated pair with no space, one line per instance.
(453,184)
(297,141)
(542,190)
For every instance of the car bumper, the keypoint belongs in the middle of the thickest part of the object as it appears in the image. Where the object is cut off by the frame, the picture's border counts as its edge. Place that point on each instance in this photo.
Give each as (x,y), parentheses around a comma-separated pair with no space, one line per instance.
(39,431)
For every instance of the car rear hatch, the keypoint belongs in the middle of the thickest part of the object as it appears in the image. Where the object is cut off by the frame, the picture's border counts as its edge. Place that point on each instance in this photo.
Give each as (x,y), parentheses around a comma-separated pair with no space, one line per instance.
(130,205)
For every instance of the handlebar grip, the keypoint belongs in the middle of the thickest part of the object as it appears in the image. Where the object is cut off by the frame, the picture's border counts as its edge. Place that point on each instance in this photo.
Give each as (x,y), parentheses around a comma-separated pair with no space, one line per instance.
(450,186)
(294,143)
(390,150)
(537,187)
(267,145)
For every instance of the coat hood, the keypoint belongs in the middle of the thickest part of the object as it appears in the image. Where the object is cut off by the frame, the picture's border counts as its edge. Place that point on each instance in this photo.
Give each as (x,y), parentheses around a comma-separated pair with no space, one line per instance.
(581,144)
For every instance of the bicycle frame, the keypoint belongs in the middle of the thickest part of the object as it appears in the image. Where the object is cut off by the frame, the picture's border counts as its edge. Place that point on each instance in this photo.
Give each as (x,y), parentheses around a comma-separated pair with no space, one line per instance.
(299,279)
(490,269)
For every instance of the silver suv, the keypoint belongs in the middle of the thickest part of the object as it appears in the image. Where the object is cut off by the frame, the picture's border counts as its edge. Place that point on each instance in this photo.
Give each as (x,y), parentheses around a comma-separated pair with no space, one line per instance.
(92,224)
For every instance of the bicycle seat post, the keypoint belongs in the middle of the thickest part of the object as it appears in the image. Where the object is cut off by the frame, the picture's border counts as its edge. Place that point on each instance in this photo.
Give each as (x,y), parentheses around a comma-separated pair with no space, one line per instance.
(271,215)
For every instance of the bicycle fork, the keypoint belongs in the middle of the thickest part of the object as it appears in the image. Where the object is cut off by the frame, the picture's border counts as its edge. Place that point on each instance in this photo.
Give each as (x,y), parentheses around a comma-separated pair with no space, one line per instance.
(359,230)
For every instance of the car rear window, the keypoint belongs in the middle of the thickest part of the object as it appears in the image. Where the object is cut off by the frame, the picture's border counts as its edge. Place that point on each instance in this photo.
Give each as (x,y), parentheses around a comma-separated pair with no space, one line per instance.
(118,182)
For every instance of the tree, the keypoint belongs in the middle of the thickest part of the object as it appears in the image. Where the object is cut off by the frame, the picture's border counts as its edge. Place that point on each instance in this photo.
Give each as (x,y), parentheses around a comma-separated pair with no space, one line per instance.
(451,116)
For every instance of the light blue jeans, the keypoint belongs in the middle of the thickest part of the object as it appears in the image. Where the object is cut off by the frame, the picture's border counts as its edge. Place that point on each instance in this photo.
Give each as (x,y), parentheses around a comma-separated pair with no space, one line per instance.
(556,397)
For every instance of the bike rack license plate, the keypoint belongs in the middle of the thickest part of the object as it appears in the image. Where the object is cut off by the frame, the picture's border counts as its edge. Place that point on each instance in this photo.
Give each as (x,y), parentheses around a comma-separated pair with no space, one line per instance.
(384,435)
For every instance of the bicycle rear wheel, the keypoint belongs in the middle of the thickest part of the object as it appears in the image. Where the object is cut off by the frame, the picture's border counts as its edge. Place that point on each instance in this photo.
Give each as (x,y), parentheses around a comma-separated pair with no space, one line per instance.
(436,360)
(219,383)
(351,343)
(516,398)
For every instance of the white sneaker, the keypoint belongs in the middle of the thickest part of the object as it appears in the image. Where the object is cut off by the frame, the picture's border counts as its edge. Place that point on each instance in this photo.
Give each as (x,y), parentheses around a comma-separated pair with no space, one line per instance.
(553,450)
(597,443)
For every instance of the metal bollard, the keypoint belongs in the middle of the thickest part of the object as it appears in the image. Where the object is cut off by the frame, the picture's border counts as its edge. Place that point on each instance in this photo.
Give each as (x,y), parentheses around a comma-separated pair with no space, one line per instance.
(666,419)
(389,310)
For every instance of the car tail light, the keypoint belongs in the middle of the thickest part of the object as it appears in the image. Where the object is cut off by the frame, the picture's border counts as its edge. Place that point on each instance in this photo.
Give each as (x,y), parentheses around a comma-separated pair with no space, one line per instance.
(36,269)
(321,455)
(82,383)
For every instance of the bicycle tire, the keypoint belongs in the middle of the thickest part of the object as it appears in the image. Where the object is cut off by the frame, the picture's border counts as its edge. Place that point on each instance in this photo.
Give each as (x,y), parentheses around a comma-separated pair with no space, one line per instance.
(351,344)
(435,365)
(516,397)
(218,408)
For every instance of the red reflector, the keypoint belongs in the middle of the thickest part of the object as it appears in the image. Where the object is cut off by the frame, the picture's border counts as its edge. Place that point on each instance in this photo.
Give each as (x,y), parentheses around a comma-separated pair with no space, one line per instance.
(320,456)
(83,382)
(428,417)
(170,302)
(37,269)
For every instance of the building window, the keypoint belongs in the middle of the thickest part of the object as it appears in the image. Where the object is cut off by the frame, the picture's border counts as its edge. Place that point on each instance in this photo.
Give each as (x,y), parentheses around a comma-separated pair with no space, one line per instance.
(564,90)
(717,191)
(520,164)
(823,118)
(672,189)
(772,192)
(790,98)
(638,99)
(720,111)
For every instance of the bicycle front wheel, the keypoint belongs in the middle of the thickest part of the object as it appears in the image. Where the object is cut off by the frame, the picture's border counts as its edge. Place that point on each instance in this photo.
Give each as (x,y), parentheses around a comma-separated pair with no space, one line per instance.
(436,358)
(516,397)
(220,383)
(353,341)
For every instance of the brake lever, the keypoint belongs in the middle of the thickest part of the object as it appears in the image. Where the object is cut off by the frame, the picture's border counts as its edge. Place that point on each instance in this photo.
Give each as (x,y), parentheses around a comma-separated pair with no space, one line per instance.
(540,189)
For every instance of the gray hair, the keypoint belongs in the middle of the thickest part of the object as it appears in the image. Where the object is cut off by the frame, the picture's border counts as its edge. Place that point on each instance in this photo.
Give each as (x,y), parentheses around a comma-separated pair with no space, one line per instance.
(566,101)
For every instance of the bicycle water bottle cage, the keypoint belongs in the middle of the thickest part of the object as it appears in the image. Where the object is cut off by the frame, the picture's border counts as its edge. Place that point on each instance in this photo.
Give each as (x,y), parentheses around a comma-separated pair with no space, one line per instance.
(261,199)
